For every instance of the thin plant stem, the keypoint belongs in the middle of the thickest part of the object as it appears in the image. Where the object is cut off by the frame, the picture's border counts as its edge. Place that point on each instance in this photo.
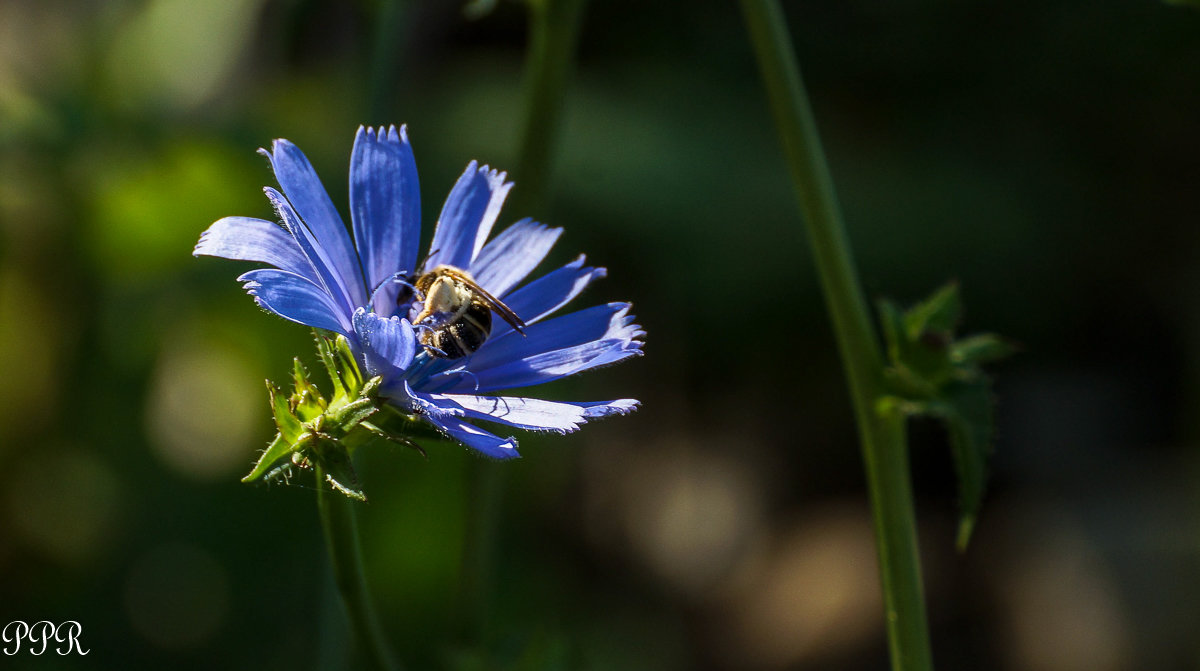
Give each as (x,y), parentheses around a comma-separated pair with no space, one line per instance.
(339,522)
(553,34)
(885,452)
(485,480)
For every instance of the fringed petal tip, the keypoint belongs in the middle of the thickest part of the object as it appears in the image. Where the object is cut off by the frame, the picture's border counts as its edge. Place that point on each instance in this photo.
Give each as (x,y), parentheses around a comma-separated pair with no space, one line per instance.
(621,406)
(295,298)
(197,249)
(592,411)
(388,133)
(495,178)
(628,328)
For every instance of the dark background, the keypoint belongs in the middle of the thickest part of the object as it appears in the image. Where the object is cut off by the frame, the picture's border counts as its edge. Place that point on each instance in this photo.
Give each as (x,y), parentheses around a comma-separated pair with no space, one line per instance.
(1045,155)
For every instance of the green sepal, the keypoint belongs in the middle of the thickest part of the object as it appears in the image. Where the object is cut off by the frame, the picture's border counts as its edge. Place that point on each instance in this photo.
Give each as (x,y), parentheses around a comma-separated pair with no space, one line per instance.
(325,353)
(336,465)
(340,365)
(931,373)
(403,440)
(347,417)
(313,430)
(306,400)
(347,366)
(290,427)
(279,449)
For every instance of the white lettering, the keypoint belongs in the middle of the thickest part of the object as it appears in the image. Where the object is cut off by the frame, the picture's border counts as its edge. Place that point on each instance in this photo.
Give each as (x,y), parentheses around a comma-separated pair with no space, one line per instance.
(66,634)
(21,630)
(73,630)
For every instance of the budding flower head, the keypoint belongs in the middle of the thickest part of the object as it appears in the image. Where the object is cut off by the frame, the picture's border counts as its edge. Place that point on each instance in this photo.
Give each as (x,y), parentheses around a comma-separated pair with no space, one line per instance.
(415,346)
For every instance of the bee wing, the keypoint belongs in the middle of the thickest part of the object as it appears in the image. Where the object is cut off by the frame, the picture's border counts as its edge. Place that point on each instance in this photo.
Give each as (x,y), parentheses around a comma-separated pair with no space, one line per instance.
(504,311)
(494,303)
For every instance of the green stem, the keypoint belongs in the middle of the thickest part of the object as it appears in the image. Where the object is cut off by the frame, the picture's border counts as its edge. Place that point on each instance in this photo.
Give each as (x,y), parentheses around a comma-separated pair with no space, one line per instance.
(554,31)
(340,524)
(885,452)
(486,482)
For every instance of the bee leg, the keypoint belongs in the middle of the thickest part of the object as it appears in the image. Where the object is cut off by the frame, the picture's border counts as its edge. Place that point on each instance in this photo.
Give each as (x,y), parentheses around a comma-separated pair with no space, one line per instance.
(400,278)
(473,377)
(439,352)
(462,370)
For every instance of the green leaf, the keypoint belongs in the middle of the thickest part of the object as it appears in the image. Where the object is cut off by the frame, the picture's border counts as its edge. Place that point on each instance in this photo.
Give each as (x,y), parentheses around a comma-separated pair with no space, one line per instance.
(967,410)
(982,348)
(931,373)
(940,313)
(917,343)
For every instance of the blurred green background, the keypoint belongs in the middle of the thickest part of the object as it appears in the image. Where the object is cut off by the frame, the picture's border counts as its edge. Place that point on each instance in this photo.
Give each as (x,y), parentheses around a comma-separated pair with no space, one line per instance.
(1046,155)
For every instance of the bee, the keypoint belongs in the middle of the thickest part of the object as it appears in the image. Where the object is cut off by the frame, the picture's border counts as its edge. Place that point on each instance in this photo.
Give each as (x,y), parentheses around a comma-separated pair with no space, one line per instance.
(456,312)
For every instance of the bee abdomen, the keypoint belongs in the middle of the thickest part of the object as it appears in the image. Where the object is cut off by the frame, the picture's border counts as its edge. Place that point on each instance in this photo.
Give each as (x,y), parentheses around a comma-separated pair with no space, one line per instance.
(462,336)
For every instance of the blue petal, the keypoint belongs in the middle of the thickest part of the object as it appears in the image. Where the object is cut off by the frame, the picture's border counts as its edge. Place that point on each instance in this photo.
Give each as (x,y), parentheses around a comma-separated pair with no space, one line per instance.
(553,349)
(293,297)
(512,255)
(475,438)
(326,274)
(388,344)
(601,322)
(504,344)
(248,239)
(467,217)
(548,293)
(385,205)
(530,413)
(305,192)
(548,366)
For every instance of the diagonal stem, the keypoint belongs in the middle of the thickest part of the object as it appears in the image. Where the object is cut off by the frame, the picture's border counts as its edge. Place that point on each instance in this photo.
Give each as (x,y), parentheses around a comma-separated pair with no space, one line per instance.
(339,522)
(553,34)
(884,447)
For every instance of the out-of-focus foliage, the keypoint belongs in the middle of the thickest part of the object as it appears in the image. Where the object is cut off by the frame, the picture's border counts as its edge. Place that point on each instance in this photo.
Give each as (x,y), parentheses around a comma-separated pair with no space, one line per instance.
(1044,154)
(933,373)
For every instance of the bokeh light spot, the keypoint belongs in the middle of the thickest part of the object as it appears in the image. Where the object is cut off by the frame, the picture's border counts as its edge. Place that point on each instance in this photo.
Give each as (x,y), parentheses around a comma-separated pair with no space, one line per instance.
(204,408)
(63,503)
(176,596)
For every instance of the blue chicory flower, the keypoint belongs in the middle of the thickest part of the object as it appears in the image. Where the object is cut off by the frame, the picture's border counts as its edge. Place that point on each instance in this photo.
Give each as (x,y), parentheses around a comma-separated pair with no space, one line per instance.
(322,279)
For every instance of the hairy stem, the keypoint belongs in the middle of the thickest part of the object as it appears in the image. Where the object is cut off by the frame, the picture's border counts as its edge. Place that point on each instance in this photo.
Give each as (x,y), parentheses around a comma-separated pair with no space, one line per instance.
(885,452)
